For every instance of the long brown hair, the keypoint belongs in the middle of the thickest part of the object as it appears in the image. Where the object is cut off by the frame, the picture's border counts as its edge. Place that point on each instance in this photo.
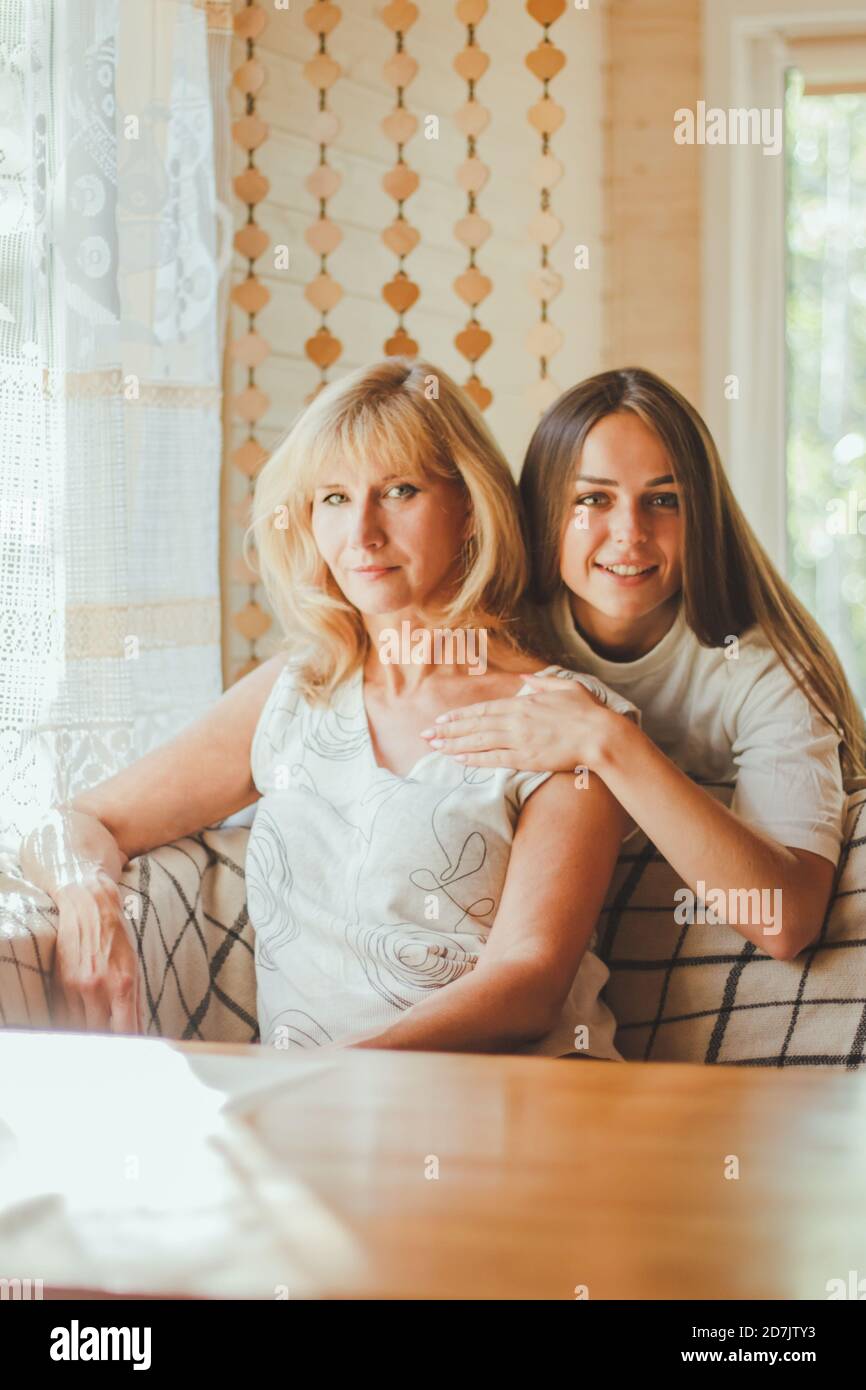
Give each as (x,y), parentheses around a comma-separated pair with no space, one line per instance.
(729,581)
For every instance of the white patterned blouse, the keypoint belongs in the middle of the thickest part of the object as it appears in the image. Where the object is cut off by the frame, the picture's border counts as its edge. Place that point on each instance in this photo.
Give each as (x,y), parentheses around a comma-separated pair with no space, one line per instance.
(367,890)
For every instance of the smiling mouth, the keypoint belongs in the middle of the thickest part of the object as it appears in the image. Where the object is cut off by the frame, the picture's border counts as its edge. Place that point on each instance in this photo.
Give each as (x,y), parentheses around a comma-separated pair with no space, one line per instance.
(626,571)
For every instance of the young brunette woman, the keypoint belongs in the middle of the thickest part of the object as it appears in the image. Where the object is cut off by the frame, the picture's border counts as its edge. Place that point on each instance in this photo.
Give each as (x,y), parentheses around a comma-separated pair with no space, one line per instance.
(398,899)
(647,575)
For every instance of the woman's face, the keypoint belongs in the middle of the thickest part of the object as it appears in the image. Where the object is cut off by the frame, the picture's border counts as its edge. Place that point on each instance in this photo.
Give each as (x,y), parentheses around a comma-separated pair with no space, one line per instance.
(621,545)
(390,544)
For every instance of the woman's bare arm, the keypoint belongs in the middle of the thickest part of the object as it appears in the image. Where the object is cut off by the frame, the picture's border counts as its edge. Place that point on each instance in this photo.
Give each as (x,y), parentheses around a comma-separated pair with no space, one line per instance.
(200,776)
(78,851)
(565,849)
(704,841)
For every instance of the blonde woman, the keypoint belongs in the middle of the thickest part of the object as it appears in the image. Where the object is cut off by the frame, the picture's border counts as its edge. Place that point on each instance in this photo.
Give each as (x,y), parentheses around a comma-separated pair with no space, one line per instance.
(398,899)
(647,575)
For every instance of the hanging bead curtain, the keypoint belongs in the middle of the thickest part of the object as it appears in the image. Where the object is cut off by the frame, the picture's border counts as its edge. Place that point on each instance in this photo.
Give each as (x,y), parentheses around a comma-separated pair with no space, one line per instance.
(545,229)
(400,183)
(324,236)
(472,230)
(250,350)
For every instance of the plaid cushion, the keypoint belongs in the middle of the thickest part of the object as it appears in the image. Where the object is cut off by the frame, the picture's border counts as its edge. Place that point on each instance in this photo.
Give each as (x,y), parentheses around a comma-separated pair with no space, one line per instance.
(187,903)
(187,906)
(691,993)
(702,993)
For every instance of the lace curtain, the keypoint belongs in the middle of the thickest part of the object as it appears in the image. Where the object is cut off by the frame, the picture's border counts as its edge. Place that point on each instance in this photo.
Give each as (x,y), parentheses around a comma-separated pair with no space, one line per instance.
(114,251)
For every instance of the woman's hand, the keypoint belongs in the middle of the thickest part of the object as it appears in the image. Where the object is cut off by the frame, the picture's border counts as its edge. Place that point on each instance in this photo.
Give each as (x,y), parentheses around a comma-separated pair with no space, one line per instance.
(560,726)
(95,964)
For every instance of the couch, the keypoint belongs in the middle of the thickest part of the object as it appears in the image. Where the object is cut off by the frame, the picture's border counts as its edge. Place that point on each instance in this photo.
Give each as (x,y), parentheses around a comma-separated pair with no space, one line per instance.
(680,992)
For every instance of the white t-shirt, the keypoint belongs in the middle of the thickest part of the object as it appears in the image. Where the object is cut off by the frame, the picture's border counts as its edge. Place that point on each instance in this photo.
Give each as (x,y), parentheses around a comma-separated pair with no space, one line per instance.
(366,889)
(728,718)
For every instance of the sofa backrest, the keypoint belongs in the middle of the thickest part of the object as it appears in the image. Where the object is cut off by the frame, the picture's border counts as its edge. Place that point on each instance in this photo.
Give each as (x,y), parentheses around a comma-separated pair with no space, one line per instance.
(697,992)
(680,991)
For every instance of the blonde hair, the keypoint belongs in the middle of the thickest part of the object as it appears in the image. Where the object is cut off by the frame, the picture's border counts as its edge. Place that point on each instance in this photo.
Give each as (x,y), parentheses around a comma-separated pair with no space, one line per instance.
(410,415)
(729,581)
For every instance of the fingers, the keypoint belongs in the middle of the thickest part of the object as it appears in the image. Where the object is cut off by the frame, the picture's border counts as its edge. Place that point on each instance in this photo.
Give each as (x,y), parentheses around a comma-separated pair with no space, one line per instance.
(483,740)
(97,1013)
(485,709)
(71,1008)
(571,682)
(90,982)
(458,728)
(67,1008)
(124,1005)
(480,742)
(95,968)
(90,1005)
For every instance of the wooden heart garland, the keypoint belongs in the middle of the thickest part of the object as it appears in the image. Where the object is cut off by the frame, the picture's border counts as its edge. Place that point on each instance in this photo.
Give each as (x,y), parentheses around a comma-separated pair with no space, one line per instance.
(400,293)
(323,236)
(249,23)
(249,350)
(399,126)
(472,229)
(400,237)
(323,18)
(546,116)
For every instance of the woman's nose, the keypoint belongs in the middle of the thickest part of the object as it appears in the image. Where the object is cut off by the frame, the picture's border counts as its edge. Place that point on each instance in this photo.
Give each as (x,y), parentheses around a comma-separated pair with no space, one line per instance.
(367,530)
(628,524)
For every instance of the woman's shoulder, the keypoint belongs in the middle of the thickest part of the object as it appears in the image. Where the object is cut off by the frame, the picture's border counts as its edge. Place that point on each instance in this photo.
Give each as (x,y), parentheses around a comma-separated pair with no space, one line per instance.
(605,694)
(764,695)
(751,664)
(501,674)
(502,680)
(507,662)
(739,668)
(279,713)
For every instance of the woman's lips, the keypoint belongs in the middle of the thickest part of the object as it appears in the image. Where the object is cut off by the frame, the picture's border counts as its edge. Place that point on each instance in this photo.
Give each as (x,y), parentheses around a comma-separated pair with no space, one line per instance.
(375,571)
(627,580)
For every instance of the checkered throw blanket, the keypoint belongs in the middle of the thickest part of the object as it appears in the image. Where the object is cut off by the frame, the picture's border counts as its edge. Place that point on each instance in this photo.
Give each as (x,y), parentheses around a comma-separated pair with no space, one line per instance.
(689,993)
(695,992)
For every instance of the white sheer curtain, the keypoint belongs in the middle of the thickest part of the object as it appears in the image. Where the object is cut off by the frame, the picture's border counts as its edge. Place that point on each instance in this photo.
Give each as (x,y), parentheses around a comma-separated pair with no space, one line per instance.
(114,247)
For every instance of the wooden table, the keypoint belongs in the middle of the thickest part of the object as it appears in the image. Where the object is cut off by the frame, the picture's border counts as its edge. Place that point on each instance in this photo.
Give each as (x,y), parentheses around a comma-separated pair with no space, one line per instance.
(384,1173)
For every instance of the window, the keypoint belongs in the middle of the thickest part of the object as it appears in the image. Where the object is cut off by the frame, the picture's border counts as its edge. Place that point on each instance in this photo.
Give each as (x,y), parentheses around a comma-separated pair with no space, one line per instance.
(825,316)
(784,244)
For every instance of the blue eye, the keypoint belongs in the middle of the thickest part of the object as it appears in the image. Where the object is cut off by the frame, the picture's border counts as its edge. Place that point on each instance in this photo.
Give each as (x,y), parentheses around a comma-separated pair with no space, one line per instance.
(405,488)
(331,495)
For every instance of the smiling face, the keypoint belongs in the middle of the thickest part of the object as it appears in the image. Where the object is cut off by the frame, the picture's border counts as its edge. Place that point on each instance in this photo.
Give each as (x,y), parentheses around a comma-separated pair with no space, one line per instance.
(392,543)
(621,544)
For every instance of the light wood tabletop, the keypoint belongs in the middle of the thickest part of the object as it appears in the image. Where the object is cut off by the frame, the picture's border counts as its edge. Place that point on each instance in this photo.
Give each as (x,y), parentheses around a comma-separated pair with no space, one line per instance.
(379,1173)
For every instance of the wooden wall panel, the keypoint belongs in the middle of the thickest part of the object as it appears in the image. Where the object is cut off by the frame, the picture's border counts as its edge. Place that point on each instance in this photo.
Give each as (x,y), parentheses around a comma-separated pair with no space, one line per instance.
(652,191)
